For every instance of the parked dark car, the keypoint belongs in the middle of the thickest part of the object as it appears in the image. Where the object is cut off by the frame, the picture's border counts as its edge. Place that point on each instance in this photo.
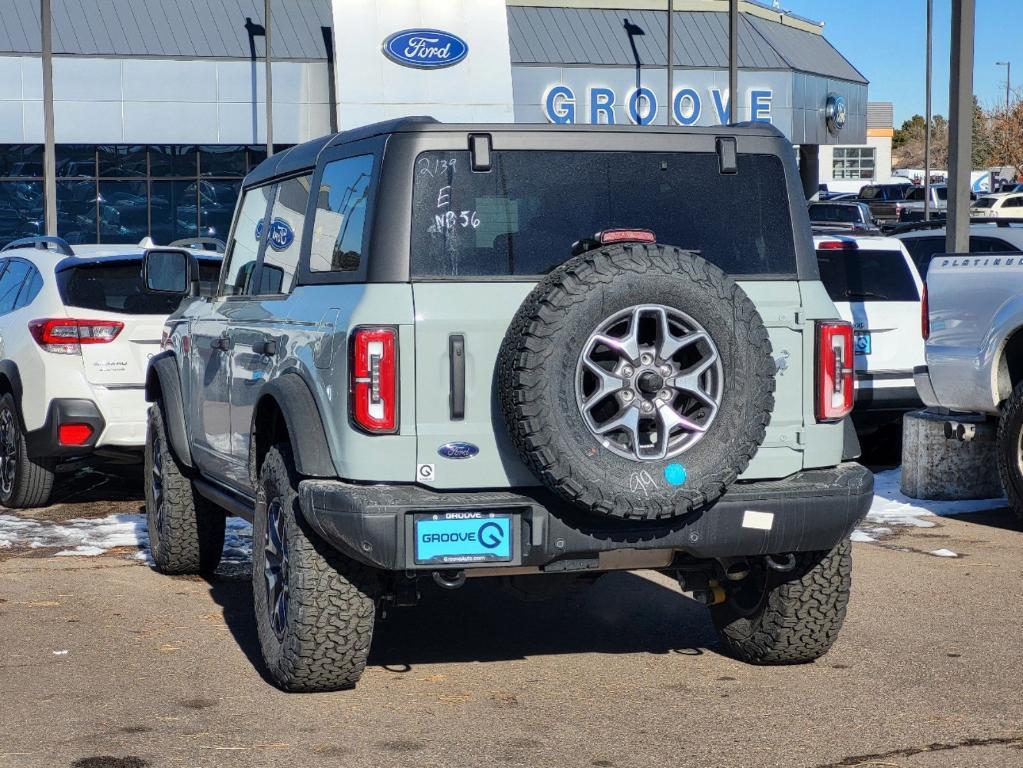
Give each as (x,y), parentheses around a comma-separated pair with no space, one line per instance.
(885,201)
(837,217)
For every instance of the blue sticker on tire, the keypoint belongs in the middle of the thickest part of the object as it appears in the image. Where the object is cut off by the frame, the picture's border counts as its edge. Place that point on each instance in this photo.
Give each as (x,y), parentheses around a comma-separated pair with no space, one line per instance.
(675,474)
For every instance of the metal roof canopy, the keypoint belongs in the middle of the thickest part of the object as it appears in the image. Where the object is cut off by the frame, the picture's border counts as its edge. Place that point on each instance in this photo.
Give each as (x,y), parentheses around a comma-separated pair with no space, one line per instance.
(201,29)
(581,36)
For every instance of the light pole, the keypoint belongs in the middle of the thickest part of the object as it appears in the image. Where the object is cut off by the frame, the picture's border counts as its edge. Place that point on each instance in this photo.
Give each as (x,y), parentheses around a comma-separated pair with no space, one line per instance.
(1008,90)
(927,126)
(269,83)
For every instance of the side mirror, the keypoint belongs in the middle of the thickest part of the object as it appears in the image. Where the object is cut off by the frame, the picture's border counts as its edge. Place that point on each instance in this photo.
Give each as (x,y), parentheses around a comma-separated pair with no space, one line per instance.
(166,270)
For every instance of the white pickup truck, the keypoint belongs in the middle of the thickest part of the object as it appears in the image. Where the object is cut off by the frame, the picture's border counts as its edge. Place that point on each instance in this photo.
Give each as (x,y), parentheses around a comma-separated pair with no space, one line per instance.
(973,326)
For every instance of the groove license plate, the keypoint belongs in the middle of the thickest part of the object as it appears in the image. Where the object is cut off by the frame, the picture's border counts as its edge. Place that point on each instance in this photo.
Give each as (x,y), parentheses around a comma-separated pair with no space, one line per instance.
(459,538)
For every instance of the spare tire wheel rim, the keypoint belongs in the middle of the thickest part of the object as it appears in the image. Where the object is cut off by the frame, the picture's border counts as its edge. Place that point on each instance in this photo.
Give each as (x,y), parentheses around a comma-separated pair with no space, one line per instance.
(649,382)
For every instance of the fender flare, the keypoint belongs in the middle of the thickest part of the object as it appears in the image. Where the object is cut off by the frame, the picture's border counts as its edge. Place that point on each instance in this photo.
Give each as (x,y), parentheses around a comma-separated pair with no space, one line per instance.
(294,399)
(163,387)
(10,373)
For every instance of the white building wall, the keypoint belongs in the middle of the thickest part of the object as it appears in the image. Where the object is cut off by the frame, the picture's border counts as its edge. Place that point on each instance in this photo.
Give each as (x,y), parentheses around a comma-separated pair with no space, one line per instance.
(371,87)
(174,101)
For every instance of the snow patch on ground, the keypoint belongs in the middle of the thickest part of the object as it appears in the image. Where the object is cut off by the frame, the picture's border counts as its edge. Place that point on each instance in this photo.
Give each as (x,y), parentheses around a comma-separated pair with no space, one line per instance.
(89,538)
(892,508)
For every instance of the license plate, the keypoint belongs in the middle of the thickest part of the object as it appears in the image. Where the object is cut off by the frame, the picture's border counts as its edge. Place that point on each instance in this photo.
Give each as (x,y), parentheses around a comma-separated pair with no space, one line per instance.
(861,342)
(458,538)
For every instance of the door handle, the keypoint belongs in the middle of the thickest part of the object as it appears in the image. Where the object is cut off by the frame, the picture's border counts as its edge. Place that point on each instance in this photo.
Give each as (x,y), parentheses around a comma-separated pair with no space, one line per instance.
(456,356)
(267,346)
(224,343)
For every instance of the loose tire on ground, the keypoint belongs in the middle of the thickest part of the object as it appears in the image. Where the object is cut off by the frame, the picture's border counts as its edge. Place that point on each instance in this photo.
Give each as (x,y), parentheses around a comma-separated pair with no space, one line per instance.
(186,532)
(1009,448)
(321,639)
(539,364)
(24,482)
(793,617)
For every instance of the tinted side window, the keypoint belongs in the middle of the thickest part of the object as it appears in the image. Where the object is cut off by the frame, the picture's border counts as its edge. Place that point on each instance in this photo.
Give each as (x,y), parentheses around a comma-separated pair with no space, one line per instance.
(29,288)
(341,215)
(522,216)
(922,250)
(991,245)
(244,246)
(16,272)
(284,241)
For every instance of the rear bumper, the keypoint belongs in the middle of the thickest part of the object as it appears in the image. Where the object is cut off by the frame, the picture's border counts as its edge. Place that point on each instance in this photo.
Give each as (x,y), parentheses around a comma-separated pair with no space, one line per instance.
(45,441)
(922,379)
(883,399)
(811,510)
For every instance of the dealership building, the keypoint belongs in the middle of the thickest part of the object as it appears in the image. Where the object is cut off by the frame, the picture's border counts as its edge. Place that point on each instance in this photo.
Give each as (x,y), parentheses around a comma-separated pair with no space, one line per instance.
(160,105)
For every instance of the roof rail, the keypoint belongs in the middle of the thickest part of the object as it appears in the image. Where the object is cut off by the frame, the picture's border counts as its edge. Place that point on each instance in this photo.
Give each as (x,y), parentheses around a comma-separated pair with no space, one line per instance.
(41,242)
(188,242)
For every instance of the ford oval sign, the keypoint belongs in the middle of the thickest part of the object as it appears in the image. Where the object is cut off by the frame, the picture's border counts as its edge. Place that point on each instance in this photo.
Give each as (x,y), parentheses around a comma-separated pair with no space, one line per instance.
(281,235)
(458,450)
(834,112)
(425,48)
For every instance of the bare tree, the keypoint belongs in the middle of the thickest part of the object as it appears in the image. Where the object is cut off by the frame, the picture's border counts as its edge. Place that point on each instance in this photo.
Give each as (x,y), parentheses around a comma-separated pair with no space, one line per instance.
(1007,133)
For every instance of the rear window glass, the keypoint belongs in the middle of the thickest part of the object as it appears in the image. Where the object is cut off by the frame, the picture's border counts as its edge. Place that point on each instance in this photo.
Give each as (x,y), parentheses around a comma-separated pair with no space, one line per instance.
(846,214)
(114,287)
(859,275)
(522,216)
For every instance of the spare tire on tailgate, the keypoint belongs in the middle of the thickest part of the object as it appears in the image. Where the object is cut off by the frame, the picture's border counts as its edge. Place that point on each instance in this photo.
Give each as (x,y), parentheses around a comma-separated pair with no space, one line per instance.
(637,381)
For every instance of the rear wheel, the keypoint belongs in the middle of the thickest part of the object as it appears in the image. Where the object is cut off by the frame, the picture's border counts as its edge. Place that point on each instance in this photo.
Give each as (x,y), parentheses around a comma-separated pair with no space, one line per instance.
(1009,447)
(186,532)
(24,482)
(315,608)
(791,617)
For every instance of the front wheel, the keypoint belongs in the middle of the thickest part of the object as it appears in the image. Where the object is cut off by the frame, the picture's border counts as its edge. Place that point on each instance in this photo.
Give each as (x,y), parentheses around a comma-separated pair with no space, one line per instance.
(787,618)
(315,608)
(1009,448)
(186,532)
(24,482)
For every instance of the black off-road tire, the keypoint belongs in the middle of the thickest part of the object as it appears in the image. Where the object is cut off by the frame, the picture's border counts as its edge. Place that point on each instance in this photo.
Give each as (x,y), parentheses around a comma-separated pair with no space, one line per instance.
(31,481)
(331,604)
(537,380)
(798,615)
(186,532)
(1010,432)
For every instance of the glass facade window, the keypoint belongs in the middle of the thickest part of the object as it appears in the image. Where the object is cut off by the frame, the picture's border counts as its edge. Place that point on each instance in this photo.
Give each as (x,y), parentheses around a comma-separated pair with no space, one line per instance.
(120,193)
(853,163)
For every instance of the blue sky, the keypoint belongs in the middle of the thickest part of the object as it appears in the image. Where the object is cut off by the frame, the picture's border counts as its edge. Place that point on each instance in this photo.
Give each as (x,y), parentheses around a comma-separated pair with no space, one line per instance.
(885,40)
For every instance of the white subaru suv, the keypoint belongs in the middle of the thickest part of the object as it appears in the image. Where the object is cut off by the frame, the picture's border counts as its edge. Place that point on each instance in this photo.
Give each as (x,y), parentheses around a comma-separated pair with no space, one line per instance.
(875,286)
(77,330)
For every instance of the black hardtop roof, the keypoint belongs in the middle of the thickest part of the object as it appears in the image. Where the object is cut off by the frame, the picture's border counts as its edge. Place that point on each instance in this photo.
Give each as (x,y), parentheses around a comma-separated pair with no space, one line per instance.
(303,156)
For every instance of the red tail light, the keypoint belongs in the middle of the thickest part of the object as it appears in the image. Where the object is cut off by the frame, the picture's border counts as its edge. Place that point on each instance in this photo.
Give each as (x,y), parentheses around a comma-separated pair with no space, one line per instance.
(925,318)
(837,245)
(65,336)
(835,388)
(374,375)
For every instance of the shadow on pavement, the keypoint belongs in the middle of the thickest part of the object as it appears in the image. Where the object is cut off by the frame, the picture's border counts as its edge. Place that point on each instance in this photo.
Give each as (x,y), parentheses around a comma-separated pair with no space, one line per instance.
(620,613)
(1004,519)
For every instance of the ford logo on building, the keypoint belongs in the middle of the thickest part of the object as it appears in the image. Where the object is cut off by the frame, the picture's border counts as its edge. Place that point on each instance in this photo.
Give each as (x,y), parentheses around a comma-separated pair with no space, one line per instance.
(834,112)
(458,450)
(281,234)
(425,48)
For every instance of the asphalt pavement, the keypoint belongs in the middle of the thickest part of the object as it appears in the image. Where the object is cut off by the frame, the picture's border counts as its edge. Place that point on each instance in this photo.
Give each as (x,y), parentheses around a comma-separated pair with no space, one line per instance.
(106,664)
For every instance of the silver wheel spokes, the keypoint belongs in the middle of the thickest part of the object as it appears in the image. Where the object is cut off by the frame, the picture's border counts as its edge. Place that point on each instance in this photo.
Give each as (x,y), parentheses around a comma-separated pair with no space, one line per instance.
(275,567)
(8,452)
(649,382)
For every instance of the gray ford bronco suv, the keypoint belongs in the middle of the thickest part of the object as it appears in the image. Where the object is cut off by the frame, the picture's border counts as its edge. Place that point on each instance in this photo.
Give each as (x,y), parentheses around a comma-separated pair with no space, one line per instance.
(522,353)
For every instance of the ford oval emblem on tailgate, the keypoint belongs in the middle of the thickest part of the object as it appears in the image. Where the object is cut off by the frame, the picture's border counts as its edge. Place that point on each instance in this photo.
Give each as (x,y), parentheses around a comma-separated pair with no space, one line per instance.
(458,450)
(425,48)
